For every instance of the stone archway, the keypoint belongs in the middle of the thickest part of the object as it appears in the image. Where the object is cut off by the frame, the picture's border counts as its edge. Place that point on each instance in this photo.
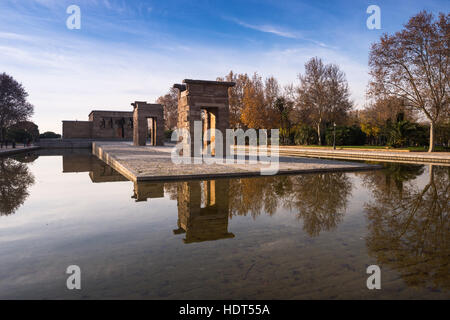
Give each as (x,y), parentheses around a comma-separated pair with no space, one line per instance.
(144,111)
(209,97)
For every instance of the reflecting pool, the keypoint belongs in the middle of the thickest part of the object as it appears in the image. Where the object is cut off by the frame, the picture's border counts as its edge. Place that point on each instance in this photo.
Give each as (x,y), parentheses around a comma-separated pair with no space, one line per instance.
(308,236)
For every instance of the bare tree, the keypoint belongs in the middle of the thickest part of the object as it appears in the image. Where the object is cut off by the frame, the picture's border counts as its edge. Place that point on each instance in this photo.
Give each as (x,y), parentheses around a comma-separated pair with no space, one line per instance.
(14,106)
(170,103)
(338,94)
(323,93)
(413,64)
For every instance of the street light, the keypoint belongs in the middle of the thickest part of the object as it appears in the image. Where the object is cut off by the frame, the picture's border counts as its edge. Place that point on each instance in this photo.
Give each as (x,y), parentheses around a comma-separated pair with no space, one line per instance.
(334,135)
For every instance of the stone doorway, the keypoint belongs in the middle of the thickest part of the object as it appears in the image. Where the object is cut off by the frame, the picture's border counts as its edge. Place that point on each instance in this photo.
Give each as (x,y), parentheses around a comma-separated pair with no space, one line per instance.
(209,120)
(203,208)
(151,131)
(210,98)
(148,124)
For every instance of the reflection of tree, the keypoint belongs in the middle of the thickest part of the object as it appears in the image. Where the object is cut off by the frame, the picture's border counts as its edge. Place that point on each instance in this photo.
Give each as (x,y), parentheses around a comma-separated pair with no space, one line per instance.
(15,179)
(321,200)
(255,195)
(26,157)
(409,229)
(392,174)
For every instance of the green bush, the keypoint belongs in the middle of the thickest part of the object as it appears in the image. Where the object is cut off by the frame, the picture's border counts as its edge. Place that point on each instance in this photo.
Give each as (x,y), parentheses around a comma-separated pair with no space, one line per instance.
(345,136)
(304,135)
(49,135)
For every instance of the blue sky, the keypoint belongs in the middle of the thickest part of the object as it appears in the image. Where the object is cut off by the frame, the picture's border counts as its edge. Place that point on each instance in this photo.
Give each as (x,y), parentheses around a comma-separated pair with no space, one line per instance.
(136,50)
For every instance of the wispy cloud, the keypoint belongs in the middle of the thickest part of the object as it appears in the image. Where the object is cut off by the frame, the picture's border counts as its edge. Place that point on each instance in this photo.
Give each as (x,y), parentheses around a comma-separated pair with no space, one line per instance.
(270,29)
(278,31)
(14,36)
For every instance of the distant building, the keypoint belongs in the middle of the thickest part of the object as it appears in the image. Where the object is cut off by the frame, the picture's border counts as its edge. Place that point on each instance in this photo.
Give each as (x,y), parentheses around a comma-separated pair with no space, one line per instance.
(108,125)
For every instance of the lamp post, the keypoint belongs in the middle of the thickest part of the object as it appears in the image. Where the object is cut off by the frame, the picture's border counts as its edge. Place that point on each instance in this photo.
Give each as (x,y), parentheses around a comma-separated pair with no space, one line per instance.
(334,135)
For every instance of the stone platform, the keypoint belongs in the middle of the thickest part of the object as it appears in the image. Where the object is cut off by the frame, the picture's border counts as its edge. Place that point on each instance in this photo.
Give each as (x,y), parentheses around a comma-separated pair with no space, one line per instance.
(148,163)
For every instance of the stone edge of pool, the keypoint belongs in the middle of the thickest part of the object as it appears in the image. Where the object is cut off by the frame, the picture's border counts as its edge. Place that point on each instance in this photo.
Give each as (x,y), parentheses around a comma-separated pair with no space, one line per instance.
(121,158)
(10,152)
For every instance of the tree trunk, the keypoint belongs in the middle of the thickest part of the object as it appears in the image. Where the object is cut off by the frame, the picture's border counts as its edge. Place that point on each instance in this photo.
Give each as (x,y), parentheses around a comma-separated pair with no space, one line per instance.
(431,173)
(431,148)
(318,134)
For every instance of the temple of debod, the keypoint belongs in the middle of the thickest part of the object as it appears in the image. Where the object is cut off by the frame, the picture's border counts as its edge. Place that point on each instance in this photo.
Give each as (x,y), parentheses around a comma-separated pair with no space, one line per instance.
(132,141)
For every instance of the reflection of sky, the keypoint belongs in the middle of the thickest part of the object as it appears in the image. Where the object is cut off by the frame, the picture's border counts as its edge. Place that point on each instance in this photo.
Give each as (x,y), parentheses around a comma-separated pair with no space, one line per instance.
(127,248)
(69,204)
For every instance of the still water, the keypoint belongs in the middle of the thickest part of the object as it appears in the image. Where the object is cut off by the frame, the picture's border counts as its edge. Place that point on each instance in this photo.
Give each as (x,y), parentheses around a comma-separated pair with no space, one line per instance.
(284,237)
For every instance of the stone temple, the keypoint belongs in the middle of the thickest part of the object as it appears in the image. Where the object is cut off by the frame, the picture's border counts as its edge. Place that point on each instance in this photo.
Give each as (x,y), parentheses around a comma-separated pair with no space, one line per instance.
(198,100)
(144,125)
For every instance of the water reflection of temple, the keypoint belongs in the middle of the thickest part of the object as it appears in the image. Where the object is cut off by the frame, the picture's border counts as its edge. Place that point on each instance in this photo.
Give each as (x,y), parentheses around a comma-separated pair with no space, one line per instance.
(86,162)
(203,210)
(148,190)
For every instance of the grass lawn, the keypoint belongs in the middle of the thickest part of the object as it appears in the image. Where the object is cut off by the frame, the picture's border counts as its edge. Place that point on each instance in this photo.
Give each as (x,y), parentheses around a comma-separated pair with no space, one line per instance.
(352,147)
(425,149)
(411,149)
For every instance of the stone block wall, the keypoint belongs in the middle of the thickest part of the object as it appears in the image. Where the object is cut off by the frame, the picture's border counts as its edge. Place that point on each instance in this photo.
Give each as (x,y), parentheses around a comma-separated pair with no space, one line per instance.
(77,129)
(115,125)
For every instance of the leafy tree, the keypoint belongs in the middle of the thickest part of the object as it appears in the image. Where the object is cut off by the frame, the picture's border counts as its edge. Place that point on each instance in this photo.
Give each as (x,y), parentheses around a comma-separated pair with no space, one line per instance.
(283,108)
(255,112)
(18,135)
(346,135)
(49,135)
(236,96)
(29,127)
(304,135)
(374,118)
(413,65)
(400,132)
(14,106)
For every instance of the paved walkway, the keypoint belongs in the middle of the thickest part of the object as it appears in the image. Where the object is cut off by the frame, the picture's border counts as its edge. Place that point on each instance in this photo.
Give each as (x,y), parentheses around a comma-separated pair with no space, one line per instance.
(155,164)
(442,158)
(19,149)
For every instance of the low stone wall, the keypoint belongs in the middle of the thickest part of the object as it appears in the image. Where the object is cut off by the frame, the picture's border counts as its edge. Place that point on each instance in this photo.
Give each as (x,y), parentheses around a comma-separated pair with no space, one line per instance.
(10,151)
(65,143)
(69,143)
